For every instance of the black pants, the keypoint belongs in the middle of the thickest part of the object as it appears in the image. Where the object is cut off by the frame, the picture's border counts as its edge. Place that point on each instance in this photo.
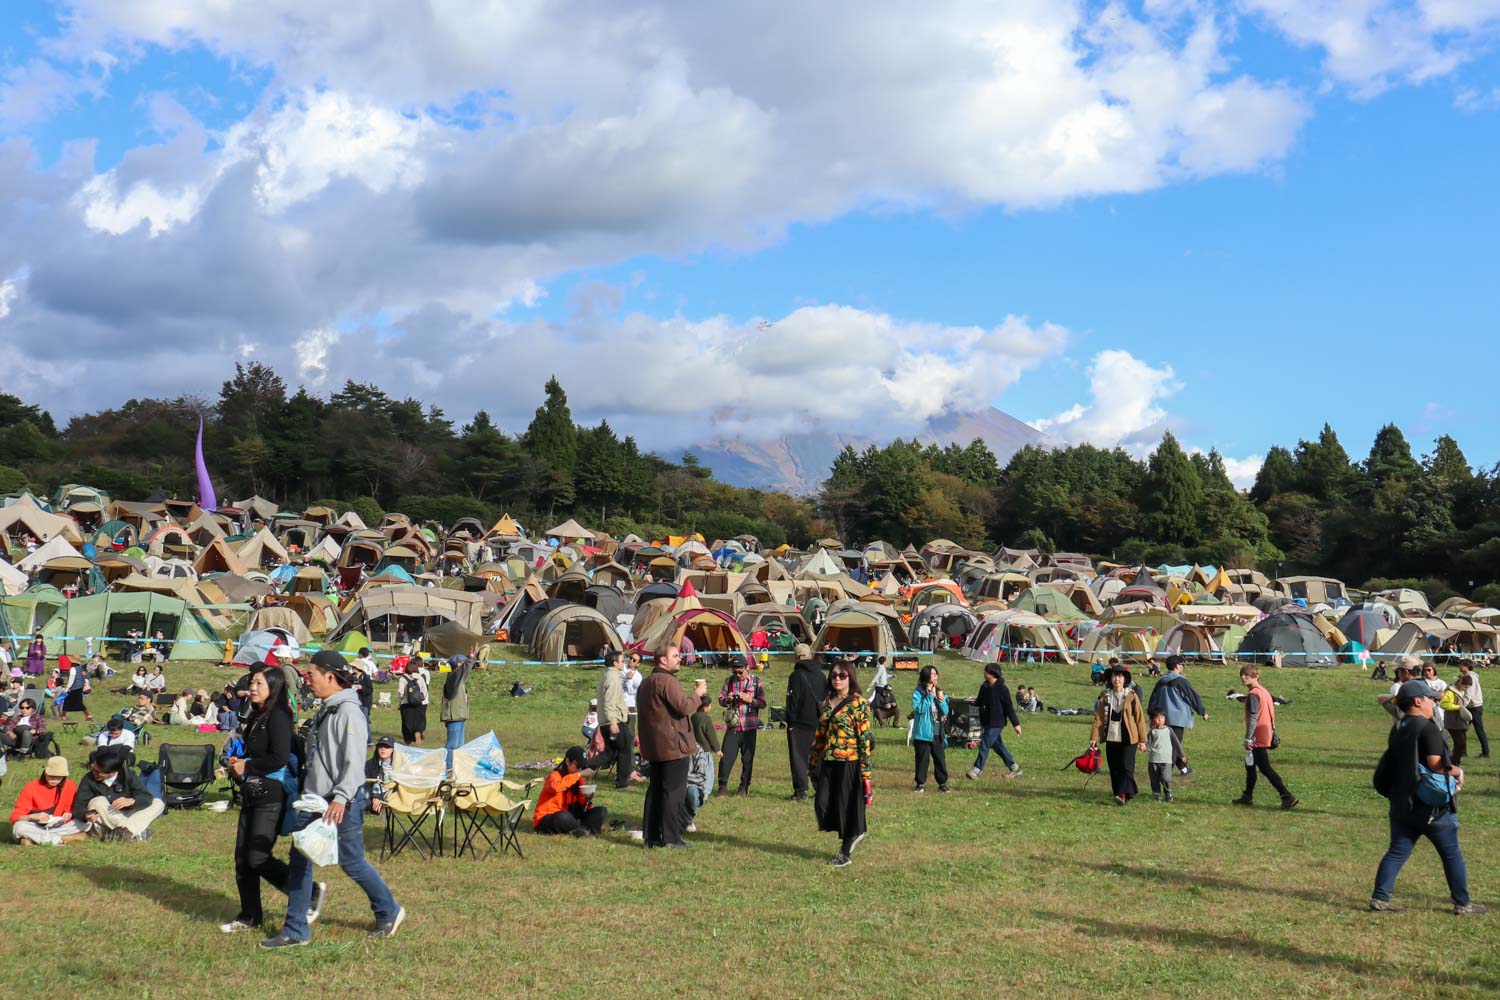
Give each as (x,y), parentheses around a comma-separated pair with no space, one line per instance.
(574,818)
(1161,779)
(1477,711)
(254,844)
(619,750)
(663,823)
(931,750)
(1179,755)
(743,745)
(799,740)
(413,722)
(1121,759)
(1263,764)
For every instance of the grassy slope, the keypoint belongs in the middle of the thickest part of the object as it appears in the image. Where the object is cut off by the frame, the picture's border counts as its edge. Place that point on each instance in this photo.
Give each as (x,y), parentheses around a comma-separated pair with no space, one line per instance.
(1040,883)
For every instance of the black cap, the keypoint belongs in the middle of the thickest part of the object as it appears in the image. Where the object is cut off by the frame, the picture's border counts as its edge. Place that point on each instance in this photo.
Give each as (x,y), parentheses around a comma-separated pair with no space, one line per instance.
(1174,661)
(385,741)
(330,661)
(576,755)
(737,660)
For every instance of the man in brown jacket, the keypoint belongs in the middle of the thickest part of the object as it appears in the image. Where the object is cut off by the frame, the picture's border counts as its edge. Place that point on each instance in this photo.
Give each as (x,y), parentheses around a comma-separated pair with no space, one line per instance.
(663,713)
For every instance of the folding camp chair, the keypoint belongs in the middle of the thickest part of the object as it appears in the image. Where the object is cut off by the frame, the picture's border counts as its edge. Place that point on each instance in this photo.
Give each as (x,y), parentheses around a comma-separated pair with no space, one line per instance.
(186,770)
(415,798)
(486,808)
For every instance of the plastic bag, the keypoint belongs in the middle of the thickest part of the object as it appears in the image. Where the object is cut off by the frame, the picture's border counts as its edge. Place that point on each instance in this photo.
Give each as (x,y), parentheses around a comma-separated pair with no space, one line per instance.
(318,842)
(307,802)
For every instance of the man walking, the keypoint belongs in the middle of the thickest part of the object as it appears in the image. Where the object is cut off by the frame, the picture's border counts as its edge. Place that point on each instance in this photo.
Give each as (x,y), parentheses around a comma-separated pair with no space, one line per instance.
(1260,739)
(1175,697)
(336,771)
(805,690)
(995,709)
(744,696)
(667,742)
(614,722)
(1476,705)
(1417,739)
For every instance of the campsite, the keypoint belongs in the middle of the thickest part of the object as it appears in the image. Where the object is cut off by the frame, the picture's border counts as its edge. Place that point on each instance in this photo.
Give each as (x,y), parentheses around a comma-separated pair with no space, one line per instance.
(1039,876)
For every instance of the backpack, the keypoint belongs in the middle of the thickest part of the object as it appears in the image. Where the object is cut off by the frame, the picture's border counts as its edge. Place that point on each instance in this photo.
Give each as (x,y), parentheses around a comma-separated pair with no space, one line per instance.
(413,694)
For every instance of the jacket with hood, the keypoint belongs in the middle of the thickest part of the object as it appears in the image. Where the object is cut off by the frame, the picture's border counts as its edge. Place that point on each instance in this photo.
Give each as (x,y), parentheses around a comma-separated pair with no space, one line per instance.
(336,748)
(805,690)
(1175,696)
(995,705)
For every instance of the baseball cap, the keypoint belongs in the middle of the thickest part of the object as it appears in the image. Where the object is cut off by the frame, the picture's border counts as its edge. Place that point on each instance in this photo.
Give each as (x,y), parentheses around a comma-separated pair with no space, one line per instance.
(385,741)
(56,767)
(1415,689)
(330,661)
(1411,663)
(1173,661)
(802,651)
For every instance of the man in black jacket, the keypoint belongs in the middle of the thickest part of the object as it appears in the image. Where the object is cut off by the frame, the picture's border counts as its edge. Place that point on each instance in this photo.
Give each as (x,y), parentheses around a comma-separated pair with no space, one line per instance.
(805,690)
(995,710)
(113,801)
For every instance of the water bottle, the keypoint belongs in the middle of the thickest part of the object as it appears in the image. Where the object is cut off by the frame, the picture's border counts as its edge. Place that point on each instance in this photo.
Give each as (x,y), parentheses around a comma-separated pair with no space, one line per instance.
(1249,758)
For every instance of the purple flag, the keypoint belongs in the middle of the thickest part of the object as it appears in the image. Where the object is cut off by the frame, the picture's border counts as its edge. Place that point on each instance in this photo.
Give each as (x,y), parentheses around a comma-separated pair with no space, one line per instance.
(206,498)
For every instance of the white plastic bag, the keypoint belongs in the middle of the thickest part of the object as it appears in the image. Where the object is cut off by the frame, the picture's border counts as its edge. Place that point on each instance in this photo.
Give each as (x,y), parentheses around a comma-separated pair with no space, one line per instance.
(307,802)
(318,842)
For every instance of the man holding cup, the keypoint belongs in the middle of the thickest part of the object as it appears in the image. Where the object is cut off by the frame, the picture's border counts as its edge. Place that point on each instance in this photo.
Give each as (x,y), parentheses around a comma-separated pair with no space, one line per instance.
(664,710)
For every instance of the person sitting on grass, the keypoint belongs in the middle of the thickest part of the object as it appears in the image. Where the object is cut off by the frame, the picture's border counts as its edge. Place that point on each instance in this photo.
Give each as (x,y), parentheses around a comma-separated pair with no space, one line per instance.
(562,807)
(116,735)
(113,800)
(44,810)
(24,729)
(141,714)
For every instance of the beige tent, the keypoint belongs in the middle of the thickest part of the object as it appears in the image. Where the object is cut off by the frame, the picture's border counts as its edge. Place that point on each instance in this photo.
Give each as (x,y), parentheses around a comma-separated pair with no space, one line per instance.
(280,616)
(25,515)
(572,632)
(423,605)
(253,552)
(218,557)
(12,580)
(568,530)
(57,547)
(1000,632)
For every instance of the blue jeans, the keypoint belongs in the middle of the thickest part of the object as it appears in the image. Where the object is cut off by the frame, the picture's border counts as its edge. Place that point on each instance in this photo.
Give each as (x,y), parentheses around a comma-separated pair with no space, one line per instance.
(455,739)
(1443,832)
(351,859)
(994,739)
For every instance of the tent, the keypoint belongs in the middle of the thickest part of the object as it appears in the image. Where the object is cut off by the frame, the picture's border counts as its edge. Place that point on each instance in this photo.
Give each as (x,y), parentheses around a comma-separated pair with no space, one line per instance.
(1295,635)
(12,580)
(26,515)
(569,530)
(262,548)
(572,632)
(113,614)
(282,617)
(1049,603)
(1000,632)
(861,628)
(420,605)
(56,547)
(1361,622)
(1131,644)
(950,620)
(450,639)
(772,617)
(31,609)
(709,631)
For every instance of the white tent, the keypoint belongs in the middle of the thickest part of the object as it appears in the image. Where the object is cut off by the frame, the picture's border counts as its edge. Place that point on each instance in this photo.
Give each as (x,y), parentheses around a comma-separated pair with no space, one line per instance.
(56,547)
(12,580)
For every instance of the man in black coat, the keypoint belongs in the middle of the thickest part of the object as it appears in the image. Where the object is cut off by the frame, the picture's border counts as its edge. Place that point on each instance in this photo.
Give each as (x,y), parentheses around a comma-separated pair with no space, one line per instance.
(995,710)
(805,690)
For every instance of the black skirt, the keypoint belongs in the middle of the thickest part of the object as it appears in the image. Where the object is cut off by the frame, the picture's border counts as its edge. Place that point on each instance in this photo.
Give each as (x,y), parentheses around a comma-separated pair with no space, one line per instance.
(74,701)
(414,718)
(839,798)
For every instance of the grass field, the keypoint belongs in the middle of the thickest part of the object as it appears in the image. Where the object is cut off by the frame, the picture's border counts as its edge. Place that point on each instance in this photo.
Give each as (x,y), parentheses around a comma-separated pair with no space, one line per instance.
(1039,884)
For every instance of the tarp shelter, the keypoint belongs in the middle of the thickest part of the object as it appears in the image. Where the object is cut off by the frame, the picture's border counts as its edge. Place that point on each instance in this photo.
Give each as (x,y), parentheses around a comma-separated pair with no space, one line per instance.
(113,614)
(25,516)
(1294,635)
(572,632)
(450,639)
(569,530)
(388,607)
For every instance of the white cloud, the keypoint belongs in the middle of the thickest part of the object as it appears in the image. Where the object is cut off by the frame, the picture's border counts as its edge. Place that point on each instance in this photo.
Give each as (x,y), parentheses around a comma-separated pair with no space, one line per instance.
(1372,44)
(9,292)
(1242,471)
(1124,405)
(312,351)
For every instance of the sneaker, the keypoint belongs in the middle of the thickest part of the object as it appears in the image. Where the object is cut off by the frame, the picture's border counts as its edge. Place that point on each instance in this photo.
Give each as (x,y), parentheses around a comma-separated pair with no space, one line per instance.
(1120,800)
(797,797)
(637,835)
(944,789)
(1385,906)
(143,835)
(743,793)
(1290,802)
(1156,796)
(1167,797)
(918,790)
(1184,769)
(393,925)
(236,925)
(690,828)
(840,861)
(855,843)
(720,792)
(1470,910)
(1014,772)
(680,845)
(1243,800)
(319,894)
(282,941)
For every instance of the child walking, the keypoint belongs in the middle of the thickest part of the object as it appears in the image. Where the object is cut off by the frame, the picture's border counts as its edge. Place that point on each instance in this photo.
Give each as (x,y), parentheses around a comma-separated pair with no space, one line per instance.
(1159,754)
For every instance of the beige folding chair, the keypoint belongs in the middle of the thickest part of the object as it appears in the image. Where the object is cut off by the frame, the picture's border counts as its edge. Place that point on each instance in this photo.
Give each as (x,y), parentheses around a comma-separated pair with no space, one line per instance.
(415,798)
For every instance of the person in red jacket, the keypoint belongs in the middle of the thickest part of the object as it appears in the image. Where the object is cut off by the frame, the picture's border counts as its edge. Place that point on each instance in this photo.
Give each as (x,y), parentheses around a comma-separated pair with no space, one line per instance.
(562,807)
(44,810)
(1260,739)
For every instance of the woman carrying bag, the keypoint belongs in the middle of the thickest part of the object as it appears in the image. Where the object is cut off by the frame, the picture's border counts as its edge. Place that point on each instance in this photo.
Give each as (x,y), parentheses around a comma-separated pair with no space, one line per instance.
(263,775)
(840,761)
(1119,720)
(1456,716)
(413,696)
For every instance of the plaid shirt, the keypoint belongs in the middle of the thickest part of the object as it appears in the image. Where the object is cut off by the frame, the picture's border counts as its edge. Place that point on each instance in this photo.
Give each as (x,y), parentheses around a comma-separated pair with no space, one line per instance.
(844,735)
(746,717)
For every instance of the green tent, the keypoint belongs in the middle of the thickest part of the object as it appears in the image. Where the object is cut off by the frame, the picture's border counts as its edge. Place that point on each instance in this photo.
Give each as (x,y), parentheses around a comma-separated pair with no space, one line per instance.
(352,643)
(110,615)
(28,611)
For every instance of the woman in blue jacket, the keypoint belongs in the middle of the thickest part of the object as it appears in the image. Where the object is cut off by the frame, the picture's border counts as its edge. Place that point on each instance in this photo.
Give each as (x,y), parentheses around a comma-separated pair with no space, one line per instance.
(929,706)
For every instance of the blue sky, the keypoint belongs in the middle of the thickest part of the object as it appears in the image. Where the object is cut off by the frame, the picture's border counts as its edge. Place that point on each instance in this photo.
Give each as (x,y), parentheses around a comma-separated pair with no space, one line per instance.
(1233,220)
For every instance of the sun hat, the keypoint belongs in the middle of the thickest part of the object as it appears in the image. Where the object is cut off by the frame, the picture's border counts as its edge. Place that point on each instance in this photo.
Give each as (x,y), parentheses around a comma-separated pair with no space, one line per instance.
(56,767)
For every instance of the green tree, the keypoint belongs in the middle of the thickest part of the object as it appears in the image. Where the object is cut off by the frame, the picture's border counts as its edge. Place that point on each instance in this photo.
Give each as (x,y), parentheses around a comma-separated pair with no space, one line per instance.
(1172,495)
(551,437)
(1278,474)
(1390,458)
(1323,468)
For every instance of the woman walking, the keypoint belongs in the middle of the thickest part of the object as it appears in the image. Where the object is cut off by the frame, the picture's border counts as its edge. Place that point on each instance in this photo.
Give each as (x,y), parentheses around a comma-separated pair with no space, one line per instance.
(413,696)
(75,681)
(268,750)
(1118,718)
(1456,716)
(840,761)
(1260,739)
(929,706)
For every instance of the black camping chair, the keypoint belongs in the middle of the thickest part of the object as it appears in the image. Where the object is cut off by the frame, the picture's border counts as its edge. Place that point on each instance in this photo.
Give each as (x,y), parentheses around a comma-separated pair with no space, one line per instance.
(187,769)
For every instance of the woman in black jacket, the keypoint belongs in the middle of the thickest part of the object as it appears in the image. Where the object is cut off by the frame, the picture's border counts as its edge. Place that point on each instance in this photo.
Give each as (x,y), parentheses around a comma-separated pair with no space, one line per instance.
(268,749)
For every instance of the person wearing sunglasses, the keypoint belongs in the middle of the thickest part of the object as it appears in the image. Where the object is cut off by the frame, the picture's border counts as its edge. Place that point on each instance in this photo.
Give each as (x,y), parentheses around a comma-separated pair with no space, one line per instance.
(25,728)
(841,752)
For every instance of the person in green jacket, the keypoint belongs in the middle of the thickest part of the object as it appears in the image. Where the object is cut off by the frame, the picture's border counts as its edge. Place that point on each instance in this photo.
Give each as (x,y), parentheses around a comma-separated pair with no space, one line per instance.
(455,709)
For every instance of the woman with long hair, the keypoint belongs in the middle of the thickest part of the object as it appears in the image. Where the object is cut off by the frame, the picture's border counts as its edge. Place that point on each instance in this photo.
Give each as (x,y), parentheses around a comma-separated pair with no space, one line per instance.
(1119,719)
(413,695)
(259,773)
(840,762)
(929,707)
(36,657)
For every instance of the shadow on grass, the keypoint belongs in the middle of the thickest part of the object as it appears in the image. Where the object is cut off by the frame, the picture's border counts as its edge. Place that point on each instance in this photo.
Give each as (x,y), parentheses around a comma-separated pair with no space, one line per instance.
(182,897)
(1188,879)
(791,850)
(1378,971)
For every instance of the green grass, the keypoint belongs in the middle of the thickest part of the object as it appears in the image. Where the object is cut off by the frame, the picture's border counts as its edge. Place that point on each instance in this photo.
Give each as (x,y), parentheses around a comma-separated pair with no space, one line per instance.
(1040,884)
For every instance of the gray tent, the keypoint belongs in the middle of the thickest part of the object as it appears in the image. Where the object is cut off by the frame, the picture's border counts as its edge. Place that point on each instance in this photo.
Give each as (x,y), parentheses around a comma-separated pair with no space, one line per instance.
(1295,636)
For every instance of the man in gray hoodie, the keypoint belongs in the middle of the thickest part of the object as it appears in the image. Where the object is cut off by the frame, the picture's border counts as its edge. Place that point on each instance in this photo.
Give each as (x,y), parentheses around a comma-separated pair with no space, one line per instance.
(336,771)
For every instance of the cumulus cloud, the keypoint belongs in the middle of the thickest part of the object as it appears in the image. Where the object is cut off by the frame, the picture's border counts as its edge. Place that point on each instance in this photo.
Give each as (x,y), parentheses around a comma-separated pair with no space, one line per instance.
(1242,471)
(1372,44)
(1124,406)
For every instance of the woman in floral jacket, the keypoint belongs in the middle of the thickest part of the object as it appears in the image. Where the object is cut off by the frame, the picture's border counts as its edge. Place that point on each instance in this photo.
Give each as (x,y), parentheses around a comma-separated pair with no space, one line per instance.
(841,762)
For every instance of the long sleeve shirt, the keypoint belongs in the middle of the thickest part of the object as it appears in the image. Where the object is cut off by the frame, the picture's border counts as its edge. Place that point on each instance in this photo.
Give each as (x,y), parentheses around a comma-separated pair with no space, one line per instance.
(36,797)
(746,716)
(611,698)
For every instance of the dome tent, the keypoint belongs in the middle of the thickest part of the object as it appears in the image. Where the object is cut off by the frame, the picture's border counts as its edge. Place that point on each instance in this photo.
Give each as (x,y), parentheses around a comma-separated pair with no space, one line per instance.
(1294,635)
